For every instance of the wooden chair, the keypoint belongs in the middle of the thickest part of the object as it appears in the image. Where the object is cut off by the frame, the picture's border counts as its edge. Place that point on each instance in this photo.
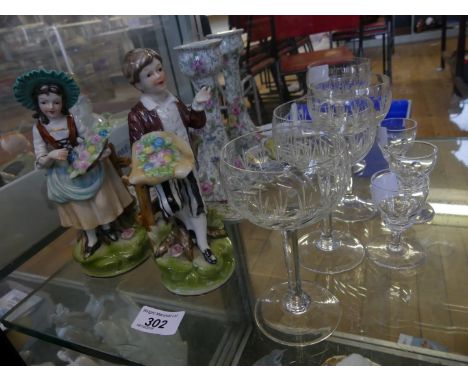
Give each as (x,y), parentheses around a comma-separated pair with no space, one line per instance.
(257,60)
(370,27)
(296,63)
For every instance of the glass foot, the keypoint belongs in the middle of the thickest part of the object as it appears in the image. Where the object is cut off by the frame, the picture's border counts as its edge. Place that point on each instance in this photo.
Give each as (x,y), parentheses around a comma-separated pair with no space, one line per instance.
(411,254)
(358,167)
(354,209)
(425,215)
(330,256)
(305,327)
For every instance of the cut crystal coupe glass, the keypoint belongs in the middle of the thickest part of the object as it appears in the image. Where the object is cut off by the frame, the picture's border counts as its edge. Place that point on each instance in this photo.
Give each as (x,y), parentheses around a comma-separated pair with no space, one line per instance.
(285,181)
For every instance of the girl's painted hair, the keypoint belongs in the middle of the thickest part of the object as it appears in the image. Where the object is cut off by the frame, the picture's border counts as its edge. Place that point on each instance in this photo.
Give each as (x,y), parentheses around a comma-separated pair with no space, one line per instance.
(47,89)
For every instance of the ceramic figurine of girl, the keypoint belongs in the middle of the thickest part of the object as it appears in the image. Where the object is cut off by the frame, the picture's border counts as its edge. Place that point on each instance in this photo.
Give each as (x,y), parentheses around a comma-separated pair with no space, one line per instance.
(159,110)
(89,201)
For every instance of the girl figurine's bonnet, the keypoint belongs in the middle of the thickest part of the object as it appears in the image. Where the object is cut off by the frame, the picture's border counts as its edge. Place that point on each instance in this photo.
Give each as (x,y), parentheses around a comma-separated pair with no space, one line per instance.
(26,84)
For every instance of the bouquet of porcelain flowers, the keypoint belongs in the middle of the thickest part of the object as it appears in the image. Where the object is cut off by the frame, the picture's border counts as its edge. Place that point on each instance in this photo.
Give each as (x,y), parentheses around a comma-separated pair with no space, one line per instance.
(157,155)
(89,150)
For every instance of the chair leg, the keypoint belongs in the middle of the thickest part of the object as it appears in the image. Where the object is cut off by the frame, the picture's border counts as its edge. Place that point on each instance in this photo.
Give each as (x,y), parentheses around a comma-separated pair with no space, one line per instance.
(279,81)
(302,79)
(389,59)
(257,101)
(392,33)
(263,80)
(361,39)
(384,60)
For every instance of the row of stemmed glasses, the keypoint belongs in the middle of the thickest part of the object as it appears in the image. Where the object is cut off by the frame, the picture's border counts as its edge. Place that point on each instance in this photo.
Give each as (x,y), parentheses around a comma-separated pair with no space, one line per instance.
(294,175)
(400,193)
(286,179)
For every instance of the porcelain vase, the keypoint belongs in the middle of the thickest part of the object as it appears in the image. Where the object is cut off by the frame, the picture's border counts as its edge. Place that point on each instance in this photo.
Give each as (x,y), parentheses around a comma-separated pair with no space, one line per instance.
(201,61)
(239,121)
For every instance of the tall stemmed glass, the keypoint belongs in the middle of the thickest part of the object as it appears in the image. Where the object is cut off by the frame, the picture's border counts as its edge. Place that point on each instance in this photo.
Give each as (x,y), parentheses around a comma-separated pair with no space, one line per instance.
(398,203)
(285,182)
(415,160)
(352,208)
(330,251)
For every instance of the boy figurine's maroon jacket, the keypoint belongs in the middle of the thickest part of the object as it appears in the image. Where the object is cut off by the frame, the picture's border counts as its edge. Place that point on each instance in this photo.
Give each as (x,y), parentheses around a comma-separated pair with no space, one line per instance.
(142,121)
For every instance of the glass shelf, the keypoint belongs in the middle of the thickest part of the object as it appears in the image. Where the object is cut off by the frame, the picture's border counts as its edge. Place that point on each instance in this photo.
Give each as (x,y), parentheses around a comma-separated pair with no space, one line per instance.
(93,316)
(380,306)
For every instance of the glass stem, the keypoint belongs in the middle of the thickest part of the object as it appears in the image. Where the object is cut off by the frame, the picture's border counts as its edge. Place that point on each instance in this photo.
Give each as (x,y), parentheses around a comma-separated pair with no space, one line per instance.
(394,244)
(327,227)
(296,301)
(327,241)
(349,186)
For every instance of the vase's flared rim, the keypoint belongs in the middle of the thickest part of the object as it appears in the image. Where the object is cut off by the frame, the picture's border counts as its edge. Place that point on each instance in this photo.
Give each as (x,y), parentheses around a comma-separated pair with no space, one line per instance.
(199,44)
(224,33)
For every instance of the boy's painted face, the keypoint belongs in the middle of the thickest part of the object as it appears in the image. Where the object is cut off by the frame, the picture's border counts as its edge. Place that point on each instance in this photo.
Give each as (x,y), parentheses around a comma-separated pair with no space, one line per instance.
(152,78)
(51,105)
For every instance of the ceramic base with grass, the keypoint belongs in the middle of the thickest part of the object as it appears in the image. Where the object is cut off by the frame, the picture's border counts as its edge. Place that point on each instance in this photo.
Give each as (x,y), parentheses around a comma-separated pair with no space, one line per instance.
(116,257)
(185,271)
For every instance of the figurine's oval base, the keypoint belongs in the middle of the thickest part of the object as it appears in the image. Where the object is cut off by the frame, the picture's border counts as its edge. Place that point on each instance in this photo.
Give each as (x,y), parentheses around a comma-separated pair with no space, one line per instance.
(116,258)
(182,277)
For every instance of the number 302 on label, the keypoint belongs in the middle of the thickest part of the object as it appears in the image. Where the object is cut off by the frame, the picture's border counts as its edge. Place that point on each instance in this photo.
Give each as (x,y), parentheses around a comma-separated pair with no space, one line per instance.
(151,320)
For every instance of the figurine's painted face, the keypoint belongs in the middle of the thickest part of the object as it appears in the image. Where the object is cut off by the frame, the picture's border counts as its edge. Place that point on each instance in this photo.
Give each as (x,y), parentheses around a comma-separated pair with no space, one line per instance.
(51,105)
(152,78)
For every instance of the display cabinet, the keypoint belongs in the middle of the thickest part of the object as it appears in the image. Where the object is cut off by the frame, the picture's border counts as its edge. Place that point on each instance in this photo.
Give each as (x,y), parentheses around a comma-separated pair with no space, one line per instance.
(91,48)
(390,317)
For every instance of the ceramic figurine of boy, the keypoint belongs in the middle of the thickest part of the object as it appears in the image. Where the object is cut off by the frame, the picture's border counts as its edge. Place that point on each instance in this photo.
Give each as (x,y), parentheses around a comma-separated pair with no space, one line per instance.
(159,110)
(87,202)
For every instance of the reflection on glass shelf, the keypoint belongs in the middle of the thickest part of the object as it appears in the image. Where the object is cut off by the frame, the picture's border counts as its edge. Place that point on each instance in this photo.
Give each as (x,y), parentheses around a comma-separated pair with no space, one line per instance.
(450,209)
(462,150)
(461,117)
(94,316)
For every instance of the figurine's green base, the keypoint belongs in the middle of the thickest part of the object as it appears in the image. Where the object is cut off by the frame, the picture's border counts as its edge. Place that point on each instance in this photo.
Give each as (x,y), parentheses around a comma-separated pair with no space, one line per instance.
(116,258)
(182,277)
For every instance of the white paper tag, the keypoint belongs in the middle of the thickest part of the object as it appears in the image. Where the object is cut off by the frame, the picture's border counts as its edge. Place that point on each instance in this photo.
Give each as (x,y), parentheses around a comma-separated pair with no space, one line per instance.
(151,320)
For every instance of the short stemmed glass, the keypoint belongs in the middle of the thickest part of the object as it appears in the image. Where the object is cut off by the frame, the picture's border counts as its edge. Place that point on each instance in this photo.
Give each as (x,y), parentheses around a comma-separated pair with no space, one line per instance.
(284,185)
(396,135)
(398,203)
(417,160)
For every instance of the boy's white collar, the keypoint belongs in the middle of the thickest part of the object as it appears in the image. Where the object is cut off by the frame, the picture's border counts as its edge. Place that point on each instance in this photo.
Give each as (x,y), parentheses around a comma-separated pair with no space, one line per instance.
(150,103)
